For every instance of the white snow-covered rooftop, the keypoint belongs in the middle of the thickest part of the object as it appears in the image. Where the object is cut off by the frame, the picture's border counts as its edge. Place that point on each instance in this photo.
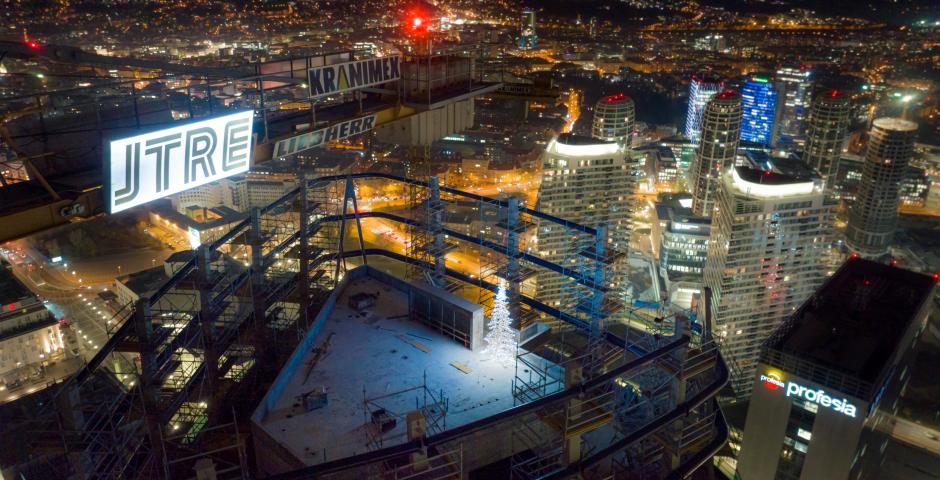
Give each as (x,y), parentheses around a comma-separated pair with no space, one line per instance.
(371,354)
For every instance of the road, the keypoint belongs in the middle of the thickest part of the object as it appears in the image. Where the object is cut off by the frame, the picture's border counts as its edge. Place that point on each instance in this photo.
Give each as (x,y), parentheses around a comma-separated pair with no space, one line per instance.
(68,295)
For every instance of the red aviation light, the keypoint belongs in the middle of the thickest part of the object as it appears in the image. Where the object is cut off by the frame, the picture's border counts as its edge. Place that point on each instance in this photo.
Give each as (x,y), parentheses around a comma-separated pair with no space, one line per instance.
(418,24)
(615,97)
(32,44)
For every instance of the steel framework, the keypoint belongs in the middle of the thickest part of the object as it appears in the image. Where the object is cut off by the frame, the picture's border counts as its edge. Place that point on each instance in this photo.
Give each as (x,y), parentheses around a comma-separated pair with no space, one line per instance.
(208,341)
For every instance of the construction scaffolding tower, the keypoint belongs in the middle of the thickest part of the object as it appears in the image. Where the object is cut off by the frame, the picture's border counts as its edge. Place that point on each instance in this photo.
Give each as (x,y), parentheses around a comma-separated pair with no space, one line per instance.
(156,400)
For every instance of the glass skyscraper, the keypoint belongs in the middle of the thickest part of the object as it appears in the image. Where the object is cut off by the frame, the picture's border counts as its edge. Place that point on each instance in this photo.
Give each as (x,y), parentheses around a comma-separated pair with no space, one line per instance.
(759,101)
(702,88)
(796,85)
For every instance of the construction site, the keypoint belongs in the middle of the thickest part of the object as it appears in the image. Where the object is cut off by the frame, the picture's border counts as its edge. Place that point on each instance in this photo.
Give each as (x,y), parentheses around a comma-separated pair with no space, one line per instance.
(292,346)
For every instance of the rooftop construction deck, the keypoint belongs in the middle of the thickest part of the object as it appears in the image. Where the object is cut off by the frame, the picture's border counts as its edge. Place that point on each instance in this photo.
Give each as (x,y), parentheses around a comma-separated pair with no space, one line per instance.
(376,365)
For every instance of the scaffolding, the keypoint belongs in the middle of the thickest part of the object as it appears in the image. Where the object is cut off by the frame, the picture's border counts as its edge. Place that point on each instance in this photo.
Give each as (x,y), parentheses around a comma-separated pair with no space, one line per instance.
(210,340)
(384,419)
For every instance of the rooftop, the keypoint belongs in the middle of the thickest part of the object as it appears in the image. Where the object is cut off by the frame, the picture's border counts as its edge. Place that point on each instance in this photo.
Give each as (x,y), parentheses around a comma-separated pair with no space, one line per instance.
(768,184)
(11,290)
(616,98)
(582,146)
(728,94)
(144,282)
(378,353)
(707,77)
(790,165)
(580,140)
(854,322)
(896,124)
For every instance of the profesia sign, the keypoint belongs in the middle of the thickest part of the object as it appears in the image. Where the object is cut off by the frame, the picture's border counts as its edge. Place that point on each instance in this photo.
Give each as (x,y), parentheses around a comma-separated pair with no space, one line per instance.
(153,165)
(818,396)
(353,75)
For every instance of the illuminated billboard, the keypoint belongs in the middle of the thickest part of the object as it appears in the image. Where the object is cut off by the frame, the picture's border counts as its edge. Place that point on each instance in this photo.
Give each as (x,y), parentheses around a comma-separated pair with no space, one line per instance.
(774,381)
(347,76)
(153,165)
(339,131)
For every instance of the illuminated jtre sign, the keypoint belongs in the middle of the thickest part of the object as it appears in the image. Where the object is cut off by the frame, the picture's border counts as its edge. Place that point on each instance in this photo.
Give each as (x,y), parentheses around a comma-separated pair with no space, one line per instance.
(342,77)
(818,396)
(153,165)
(339,131)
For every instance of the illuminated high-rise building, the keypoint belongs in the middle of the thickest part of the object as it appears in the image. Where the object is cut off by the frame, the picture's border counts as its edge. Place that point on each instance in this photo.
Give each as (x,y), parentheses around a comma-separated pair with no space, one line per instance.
(721,127)
(702,88)
(874,214)
(759,100)
(829,379)
(587,181)
(826,131)
(614,118)
(527,37)
(796,86)
(769,232)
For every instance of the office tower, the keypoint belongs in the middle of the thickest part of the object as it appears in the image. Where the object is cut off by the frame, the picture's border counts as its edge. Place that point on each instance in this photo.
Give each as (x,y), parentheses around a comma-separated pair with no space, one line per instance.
(683,240)
(826,131)
(759,99)
(588,181)
(828,380)
(795,84)
(702,88)
(527,37)
(721,127)
(614,118)
(873,216)
(768,234)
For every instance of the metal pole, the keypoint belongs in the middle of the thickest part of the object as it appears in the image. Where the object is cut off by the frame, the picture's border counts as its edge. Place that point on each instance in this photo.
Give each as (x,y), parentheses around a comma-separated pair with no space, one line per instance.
(304,287)
(342,236)
(437,230)
(209,95)
(512,252)
(256,238)
(207,317)
(264,110)
(149,387)
(136,110)
(350,187)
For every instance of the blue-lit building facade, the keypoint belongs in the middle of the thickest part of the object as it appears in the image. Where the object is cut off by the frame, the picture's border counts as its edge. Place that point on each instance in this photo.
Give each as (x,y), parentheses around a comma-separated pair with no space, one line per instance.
(759,105)
(701,89)
(527,37)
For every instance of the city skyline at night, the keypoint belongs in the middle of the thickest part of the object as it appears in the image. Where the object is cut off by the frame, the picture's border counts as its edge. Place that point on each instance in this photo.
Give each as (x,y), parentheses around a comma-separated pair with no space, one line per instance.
(468,239)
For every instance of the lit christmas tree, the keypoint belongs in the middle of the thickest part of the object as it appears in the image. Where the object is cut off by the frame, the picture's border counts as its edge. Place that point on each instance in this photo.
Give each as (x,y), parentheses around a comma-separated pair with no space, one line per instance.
(501,338)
